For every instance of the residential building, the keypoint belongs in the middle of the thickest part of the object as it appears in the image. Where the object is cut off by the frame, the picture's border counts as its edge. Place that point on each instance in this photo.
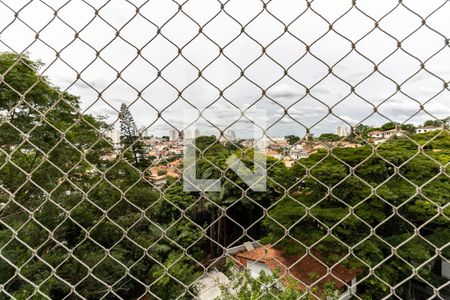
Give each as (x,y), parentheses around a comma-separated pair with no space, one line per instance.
(440,269)
(114,136)
(298,154)
(380,141)
(277,142)
(426,129)
(393,132)
(445,269)
(343,131)
(191,134)
(159,174)
(176,150)
(298,146)
(230,135)
(377,134)
(143,132)
(274,154)
(175,135)
(307,269)
(346,144)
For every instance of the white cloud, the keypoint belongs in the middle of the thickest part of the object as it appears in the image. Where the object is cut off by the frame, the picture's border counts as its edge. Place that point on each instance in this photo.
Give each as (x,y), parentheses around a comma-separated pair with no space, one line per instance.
(284,90)
(142,74)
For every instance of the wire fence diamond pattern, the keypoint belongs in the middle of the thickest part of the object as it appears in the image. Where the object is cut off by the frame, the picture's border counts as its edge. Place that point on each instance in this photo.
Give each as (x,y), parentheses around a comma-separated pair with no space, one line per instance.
(84,215)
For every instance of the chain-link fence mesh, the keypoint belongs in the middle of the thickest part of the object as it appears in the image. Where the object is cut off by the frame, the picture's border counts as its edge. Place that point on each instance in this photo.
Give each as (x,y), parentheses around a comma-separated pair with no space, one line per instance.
(93,207)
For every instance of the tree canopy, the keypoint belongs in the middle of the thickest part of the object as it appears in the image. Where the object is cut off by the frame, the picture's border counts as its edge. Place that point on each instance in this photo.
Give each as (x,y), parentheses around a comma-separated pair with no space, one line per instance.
(71,205)
(74,214)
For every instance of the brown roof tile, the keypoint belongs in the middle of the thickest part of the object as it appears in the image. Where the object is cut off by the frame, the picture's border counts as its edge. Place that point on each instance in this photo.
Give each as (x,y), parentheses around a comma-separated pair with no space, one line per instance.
(298,267)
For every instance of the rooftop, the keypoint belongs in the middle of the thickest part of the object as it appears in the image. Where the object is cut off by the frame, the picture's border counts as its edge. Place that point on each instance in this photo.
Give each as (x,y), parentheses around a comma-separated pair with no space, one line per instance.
(298,267)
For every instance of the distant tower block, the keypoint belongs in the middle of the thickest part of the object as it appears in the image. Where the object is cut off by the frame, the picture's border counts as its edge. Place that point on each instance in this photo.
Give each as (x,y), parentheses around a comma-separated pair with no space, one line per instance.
(343,131)
(230,135)
(174,135)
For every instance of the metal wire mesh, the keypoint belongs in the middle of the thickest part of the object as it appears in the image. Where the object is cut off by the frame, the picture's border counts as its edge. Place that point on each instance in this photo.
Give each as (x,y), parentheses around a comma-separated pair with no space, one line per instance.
(83,218)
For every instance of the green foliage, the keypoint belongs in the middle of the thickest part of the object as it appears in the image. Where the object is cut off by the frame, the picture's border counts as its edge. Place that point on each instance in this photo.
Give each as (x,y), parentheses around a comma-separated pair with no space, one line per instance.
(372,193)
(362,130)
(69,201)
(388,126)
(162,172)
(292,139)
(132,144)
(329,137)
(244,287)
(68,195)
(408,128)
(433,123)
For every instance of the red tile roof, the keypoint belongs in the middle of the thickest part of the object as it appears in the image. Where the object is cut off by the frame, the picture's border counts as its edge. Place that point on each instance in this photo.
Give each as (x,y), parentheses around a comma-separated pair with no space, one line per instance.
(299,267)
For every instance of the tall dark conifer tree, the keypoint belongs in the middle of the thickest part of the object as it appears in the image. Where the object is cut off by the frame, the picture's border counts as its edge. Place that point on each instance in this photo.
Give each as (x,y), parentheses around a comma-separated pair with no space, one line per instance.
(129,138)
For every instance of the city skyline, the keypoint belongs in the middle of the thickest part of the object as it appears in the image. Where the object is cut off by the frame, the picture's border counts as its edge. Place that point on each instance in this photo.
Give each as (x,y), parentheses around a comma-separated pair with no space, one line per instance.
(232,135)
(224,149)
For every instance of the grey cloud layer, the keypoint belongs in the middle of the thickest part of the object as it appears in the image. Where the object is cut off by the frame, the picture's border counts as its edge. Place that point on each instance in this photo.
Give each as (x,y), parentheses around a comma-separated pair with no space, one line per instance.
(309,72)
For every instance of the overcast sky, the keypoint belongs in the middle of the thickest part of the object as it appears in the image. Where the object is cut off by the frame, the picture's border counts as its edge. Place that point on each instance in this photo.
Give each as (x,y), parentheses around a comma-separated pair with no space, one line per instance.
(158,29)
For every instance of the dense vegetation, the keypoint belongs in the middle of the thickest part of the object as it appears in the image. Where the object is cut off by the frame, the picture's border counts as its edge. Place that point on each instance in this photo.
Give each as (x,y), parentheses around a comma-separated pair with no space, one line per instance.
(244,286)
(71,205)
(377,197)
(90,216)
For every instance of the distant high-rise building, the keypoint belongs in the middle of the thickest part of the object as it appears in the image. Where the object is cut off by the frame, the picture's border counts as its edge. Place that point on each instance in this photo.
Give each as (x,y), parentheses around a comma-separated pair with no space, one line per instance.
(174,135)
(114,135)
(343,131)
(143,132)
(191,134)
(230,135)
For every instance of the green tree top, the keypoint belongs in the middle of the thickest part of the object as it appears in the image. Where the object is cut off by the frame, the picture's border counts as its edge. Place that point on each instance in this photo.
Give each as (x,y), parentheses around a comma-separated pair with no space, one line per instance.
(329,137)
(292,139)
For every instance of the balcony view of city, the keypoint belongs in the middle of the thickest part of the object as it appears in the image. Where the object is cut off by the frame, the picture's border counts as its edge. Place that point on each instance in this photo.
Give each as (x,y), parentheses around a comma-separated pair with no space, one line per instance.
(224,150)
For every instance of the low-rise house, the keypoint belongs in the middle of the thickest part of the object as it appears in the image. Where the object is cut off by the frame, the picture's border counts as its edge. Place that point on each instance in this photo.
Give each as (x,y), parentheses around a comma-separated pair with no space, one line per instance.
(320,146)
(153,153)
(175,163)
(393,132)
(346,144)
(298,154)
(274,154)
(426,129)
(380,141)
(173,172)
(298,147)
(161,147)
(159,174)
(440,270)
(306,270)
(445,268)
(377,134)
(281,143)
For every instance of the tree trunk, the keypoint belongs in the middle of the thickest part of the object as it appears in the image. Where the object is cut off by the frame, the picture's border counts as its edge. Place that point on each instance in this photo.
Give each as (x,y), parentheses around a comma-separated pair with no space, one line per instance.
(225,239)
(211,249)
(219,227)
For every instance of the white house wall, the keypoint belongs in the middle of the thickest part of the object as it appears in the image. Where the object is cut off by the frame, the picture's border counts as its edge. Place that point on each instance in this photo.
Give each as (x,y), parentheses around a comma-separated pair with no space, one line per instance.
(445,269)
